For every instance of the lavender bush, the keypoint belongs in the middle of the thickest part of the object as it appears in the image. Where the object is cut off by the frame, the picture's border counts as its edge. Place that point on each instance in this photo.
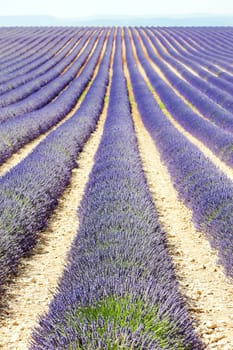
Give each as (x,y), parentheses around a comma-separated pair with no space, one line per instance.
(19,131)
(203,188)
(55,51)
(118,290)
(30,190)
(47,93)
(219,141)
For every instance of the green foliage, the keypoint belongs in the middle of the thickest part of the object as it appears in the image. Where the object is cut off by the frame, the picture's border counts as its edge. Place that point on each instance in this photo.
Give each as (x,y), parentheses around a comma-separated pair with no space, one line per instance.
(150,86)
(124,312)
(190,105)
(162,105)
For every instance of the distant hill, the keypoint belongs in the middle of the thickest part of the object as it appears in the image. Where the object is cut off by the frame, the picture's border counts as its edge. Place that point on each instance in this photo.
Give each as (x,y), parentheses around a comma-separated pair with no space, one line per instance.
(189,20)
(28,21)
(201,20)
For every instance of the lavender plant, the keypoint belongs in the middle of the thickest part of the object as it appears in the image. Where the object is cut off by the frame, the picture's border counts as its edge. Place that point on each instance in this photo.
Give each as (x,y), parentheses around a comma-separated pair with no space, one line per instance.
(198,88)
(218,140)
(55,52)
(18,131)
(50,91)
(200,184)
(27,47)
(195,57)
(30,190)
(118,290)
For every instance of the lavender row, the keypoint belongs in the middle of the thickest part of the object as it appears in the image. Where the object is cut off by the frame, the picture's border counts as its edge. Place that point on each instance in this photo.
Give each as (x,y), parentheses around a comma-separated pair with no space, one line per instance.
(8,39)
(222,38)
(196,49)
(50,91)
(219,141)
(27,84)
(185,50)
(205,62)
(209,42)
(24,53)
(219,78)
(51,47)
(215,93)
(217,50)
(202,187)
(17,132)
(12,37)
(28,44)
(38,66)
(36,59)
(204,104)
(118,289)
(18,36)
(30,190)
(17,47)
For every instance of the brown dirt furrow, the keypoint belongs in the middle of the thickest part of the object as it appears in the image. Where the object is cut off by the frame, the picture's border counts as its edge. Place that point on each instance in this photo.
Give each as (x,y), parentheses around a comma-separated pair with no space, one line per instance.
(205,150)
(208,293)
(24,151)
(29,294)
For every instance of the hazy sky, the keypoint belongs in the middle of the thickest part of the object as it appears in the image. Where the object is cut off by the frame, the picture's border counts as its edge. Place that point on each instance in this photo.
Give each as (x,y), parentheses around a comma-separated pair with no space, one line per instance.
(76,8)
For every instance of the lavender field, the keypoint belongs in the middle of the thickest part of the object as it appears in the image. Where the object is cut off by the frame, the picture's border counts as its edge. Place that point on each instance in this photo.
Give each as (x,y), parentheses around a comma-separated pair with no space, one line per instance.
(116,188)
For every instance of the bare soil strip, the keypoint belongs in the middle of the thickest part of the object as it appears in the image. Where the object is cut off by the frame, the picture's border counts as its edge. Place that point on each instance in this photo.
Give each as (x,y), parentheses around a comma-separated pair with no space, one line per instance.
(28,296)
(205,150)
(24,151)
(202,282)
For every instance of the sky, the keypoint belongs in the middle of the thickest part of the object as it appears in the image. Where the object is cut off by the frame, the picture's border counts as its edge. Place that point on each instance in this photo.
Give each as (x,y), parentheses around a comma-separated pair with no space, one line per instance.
(87,8)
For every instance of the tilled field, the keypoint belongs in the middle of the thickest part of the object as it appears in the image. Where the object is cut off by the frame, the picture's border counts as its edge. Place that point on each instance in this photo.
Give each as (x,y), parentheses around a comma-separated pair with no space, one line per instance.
(116,201)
